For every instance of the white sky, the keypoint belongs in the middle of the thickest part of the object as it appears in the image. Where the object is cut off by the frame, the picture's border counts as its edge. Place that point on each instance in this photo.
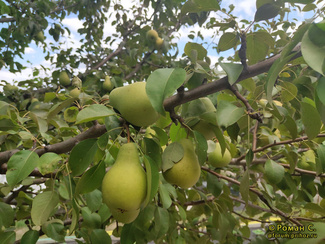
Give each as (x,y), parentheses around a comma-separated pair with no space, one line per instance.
(244,9)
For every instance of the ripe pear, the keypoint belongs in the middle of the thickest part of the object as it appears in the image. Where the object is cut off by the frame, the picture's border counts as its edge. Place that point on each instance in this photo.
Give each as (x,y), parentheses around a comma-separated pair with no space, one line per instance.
(152,36)
(108,85)
(187,171)
(75,92)
(125,217)
(124,185)
(216,159)
(133,104)
(64,79)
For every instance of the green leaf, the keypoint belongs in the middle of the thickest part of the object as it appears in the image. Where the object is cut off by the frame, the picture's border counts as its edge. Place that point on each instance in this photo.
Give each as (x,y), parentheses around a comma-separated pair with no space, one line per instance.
(55,230)
(161,216)
(316,34)
(152,179)
(244,186)
(196,6)
(227,40)
(153,150)
(171,155)
(200,50)
(100,236)
(163,83)
(30,237)
(7,124)
(57,108)
(82,156)
(43,206)
(266,11)
(320,89)
(92,179)
(228,114)
(315,208)
(177,132)
(20,165)
(233,71)
(164,196)
(321,156)
(94,200)
(310,119)
(313,54)
(249,157)
(48,162)
(7,215)
(291,125)
(214,185)
(258,45)
(93,112)
(70,114)
(201,147)
(288,91)
(274,172)
(127,235)
(113,126)
(8,237)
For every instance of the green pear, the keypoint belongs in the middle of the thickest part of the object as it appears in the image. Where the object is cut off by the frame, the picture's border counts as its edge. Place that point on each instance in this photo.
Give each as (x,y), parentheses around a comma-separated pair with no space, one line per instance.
(108,85)
(125,217)
(40,36)
(76,82)
(187,171)
(64,79)
(307,161)
(205,128)
(216,159)
(75,92)
(125,184)
(159,43)
(133,104)
(152,36)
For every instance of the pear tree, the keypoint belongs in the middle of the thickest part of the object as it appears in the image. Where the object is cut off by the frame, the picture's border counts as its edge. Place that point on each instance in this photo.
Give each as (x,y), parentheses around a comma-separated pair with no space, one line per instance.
(162,121)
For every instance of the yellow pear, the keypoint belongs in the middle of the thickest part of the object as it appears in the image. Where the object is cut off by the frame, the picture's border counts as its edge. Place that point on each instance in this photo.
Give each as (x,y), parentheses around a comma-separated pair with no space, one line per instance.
(108,85)
(125,217)
(133,104)
(187,171)
(216,159)
(152,36)
(124,185)
(64,79)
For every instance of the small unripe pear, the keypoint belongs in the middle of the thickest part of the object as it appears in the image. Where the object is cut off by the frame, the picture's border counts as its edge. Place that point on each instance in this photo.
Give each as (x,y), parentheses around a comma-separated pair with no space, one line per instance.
(152,36)
(76,82)
(108,85)
(216,159)
(75,92)
(64,79)
(159,43)
(187,171)
(40,36)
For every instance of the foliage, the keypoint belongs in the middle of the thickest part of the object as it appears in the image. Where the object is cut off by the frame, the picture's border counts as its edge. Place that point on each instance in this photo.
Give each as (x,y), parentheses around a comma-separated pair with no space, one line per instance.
(55,147)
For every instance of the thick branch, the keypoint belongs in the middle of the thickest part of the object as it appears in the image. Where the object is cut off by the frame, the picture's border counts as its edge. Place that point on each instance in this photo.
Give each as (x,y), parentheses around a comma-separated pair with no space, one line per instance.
(61,147)
(222,84)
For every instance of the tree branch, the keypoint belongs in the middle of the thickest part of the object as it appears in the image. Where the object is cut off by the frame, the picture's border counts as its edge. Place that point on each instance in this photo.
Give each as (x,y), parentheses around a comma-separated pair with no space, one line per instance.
(222,84)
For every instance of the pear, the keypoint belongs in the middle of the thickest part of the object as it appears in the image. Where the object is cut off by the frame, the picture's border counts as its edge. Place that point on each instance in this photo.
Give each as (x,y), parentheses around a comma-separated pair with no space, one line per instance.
(124,185)
(64,79)
(159,43)
(75,92)
(133,104)
(152,36)
(216,159)
(76,82)
(125,217)
(187,171)
(108,85)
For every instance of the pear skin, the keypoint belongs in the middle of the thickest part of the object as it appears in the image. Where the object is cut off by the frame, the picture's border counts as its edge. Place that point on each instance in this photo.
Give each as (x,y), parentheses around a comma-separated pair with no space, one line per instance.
(133,104)
(108,84)
(187,171)
(64,79)
(125,217)
(216,159)
(125,184)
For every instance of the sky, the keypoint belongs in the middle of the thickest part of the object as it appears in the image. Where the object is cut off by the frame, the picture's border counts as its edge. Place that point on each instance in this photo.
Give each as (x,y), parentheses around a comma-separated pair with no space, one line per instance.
(244,9)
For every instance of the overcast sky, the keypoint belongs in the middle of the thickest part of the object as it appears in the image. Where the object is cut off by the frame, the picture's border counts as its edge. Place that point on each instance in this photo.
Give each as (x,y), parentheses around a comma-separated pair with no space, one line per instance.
(244,9)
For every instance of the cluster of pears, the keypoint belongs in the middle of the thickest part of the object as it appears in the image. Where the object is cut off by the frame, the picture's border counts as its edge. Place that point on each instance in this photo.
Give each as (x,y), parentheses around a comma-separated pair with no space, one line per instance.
(124,186)
(76,83)
(133,104)
(154,39)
